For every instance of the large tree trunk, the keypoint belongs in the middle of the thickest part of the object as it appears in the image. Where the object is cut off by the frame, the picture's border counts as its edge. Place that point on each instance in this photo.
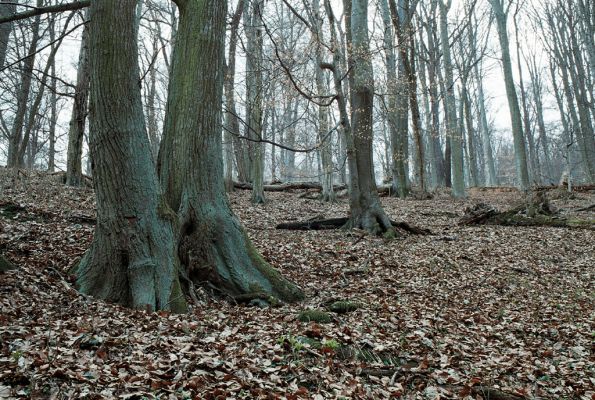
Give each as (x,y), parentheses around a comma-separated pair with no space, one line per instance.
(132,259)
(366,211)
(74,170)
(513,101)
(213,247)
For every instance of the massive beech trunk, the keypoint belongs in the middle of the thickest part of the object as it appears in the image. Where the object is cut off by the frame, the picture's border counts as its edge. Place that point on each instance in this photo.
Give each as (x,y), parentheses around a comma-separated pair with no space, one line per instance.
(213,247)
(132,259)
(74,170)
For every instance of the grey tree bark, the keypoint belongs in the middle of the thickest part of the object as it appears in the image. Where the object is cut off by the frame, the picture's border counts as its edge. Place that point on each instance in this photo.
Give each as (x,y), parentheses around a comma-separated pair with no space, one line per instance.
(212,245)
(513,102)
(454,135)
(232,124)
(366,210)
(254,92)
(7,8)
(16,134)
(132,260)
(326,150)
(76,131)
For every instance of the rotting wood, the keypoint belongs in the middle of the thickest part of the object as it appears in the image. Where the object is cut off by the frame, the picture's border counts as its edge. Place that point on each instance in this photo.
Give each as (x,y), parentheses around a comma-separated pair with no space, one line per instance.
(337,223)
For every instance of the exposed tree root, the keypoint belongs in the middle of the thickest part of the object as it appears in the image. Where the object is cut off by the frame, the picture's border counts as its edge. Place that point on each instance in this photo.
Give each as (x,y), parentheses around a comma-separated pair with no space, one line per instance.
(338,223)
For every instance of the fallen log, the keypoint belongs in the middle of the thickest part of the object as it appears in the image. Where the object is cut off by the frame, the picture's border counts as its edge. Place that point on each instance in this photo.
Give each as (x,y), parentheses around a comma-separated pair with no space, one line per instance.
(532,214)
(338,223)
(287,187)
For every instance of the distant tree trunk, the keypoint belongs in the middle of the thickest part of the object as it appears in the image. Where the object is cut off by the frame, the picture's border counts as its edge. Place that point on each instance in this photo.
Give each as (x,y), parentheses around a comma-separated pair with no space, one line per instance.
(16,135)
(513,102)
(232,124)
(433,62)
(254,92)
(453,133)
(132,259)
(150,103)
(537,84)
(74,172)
(326,149)
(31,127)
(397,111)
(491,179)
(212,245)
(473,170)
(53,108)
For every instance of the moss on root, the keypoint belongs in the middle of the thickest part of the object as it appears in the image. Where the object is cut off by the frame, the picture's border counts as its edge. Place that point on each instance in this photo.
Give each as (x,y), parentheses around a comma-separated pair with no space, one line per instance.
(282,288)
(319,316)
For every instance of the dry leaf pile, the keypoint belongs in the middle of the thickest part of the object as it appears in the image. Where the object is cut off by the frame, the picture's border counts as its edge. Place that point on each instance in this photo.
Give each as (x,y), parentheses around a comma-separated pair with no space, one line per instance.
(461,313)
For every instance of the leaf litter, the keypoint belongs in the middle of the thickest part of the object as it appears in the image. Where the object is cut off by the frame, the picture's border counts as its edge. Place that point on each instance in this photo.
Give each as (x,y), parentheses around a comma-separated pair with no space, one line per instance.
(467,312)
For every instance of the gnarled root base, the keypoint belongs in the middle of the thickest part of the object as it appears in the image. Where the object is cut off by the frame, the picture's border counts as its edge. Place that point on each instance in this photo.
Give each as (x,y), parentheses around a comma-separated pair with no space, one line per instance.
(346,222)
(137,269)
(216,253)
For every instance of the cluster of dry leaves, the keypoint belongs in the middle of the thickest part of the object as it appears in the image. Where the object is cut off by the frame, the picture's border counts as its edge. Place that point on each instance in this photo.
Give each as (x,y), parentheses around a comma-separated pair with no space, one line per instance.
(467,312)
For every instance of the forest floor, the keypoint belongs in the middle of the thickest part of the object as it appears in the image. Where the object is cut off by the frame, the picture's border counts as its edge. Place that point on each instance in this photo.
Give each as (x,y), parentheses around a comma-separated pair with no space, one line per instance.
(467,312)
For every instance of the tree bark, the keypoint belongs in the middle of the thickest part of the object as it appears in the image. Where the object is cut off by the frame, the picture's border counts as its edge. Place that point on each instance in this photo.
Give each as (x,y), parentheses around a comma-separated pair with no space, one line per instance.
(76,131)
(366,211)
(132,259)
(6,10)
(254,93)
(212,245)
(16,135)
(454,135)
(513,102)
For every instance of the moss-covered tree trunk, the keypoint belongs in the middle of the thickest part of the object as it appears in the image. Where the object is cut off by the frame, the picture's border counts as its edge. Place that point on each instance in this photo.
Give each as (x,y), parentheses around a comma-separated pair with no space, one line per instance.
(213,247)
(132,258)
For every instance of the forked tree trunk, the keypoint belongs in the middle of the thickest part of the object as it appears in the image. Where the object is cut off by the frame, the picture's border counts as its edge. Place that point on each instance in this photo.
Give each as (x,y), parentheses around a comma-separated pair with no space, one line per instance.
(132,259)
(213,247)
